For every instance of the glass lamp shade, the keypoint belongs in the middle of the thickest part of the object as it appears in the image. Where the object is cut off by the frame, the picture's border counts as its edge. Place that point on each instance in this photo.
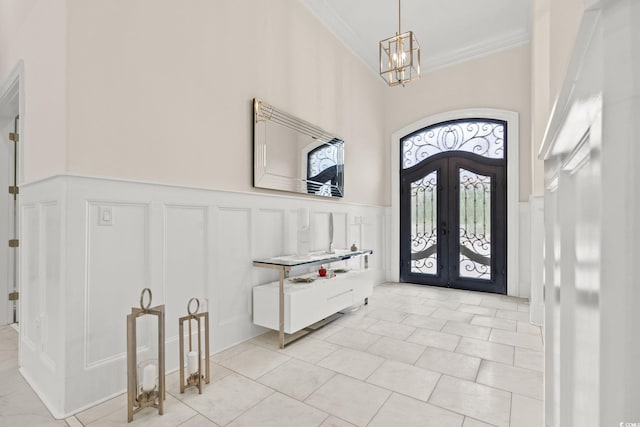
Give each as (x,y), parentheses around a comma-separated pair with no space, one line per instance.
(400,59)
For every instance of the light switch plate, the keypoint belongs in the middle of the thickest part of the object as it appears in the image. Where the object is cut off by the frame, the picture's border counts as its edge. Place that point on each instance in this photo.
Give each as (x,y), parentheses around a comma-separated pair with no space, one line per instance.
(105,215)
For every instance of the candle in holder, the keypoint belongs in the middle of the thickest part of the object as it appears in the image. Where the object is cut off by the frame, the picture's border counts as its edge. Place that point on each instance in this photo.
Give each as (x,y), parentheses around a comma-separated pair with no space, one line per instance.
(192,362)
(149,378)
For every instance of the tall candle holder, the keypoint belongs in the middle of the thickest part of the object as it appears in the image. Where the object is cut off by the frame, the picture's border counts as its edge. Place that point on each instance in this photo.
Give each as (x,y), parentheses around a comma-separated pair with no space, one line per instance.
(145,381)
(194,358)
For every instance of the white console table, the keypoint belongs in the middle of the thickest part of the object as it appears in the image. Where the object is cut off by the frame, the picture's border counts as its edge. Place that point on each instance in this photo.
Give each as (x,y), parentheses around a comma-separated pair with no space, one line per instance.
(301,305)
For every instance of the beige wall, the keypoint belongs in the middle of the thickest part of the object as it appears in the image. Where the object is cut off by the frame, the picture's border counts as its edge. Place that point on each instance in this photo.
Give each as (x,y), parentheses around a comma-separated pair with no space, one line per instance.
(163,93)
(164,96)
(540,88)
(34,32)
(564,20)
(501,81)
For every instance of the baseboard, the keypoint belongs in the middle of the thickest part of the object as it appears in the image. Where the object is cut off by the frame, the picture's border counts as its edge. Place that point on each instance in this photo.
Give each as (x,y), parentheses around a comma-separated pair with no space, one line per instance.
(536,314)
(54,412)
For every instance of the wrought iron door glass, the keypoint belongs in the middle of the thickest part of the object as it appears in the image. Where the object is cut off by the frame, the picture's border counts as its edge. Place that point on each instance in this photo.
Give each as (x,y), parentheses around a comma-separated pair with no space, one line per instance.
(424,224)
(481,137)
(475,225)
(324,167)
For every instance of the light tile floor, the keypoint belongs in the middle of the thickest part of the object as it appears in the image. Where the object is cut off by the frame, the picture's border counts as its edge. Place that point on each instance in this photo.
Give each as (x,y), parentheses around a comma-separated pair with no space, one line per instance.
(415,356)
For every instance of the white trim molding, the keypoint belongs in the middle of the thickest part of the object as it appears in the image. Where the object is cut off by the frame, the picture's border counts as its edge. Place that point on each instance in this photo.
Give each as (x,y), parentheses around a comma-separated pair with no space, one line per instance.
(12,87)
(536,261)
(513,186)
(11,104)
(328,16)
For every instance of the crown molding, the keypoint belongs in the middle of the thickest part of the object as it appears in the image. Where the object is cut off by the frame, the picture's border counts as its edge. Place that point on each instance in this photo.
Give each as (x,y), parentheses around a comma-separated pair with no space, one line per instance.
(331,20)
(477,50)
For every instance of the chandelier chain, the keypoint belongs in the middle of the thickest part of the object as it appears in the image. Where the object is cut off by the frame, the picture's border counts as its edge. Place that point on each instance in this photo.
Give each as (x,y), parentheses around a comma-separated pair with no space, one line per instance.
(399,26)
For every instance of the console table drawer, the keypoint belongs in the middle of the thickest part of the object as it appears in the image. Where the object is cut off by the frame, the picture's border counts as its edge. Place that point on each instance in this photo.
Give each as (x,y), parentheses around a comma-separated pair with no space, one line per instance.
(290,308)
(305,304)
(305,308)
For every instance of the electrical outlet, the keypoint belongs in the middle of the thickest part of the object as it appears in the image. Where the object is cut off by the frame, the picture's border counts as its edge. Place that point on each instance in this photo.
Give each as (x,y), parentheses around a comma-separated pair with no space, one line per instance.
(105,215)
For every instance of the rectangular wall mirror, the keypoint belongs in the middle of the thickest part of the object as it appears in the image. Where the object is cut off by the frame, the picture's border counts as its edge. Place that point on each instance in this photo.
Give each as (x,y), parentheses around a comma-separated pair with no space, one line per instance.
(291,154)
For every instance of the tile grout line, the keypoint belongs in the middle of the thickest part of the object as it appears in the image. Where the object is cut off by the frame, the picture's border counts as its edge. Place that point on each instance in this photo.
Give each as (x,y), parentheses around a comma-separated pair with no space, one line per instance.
(433,390)
(273,391)
(324,419)
(510,408)
(441,407)
(475,380)
(509,391)
(190,418)
(381,406)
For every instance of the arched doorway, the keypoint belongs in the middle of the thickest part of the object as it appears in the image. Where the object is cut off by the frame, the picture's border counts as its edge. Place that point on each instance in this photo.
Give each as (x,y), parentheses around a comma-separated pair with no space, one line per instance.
(453,205)
(514,207)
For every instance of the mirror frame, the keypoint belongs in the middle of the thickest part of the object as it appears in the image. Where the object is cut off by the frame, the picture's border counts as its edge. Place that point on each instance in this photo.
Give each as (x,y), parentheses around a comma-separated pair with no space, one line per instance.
(265,116)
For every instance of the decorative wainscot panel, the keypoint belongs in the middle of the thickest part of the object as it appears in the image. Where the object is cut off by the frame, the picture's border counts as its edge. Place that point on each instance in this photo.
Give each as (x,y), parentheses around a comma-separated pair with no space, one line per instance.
(90,245)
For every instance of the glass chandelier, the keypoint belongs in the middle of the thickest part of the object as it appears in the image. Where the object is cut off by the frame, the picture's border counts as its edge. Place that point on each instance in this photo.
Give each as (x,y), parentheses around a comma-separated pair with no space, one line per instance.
(400,57)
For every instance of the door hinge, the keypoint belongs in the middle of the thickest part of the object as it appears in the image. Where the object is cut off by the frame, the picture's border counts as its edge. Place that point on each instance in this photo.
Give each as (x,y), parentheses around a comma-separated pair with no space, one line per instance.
(13,136)
(14,243)
(13,296)
(13,189)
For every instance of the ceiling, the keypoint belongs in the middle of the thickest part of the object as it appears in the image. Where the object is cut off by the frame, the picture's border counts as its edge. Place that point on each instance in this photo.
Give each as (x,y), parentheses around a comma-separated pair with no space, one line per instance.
(449,31)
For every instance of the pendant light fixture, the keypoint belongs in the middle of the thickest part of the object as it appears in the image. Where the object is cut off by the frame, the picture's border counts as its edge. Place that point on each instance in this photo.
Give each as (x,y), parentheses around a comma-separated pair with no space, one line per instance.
(400,57)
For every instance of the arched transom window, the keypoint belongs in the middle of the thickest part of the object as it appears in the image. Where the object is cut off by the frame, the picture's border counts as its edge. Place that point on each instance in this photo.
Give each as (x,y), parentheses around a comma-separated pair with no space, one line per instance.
(483,137)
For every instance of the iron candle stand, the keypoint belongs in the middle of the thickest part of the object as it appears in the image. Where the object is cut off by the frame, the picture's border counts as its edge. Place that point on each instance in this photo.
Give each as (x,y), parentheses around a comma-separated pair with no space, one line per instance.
(195,377)
(145,382)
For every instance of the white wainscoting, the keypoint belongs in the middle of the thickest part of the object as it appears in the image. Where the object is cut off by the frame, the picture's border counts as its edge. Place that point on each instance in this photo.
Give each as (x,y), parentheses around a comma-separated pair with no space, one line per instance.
(531,256)
(524,254)
(89,246)
(42,290)
(536,302)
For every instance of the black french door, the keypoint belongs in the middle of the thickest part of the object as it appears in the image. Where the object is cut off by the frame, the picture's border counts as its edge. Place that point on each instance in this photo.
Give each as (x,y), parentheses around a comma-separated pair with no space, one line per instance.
(453,222)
